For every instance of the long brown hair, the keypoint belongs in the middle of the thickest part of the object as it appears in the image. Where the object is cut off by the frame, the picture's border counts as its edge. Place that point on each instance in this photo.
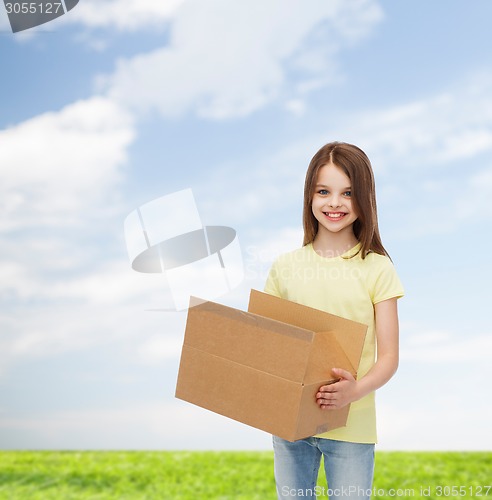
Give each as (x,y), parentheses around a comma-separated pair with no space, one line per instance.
(356,165)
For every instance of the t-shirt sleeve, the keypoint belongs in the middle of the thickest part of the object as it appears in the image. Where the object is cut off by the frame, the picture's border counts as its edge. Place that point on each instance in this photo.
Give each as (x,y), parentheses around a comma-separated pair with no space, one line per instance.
(272,285)
(386,283)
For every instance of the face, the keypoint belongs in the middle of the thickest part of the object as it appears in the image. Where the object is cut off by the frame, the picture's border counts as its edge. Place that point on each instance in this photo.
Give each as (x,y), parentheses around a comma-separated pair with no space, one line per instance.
(332,202)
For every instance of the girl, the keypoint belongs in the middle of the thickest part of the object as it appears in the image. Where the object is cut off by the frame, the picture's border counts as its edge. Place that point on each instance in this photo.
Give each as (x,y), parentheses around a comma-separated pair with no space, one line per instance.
(343,269)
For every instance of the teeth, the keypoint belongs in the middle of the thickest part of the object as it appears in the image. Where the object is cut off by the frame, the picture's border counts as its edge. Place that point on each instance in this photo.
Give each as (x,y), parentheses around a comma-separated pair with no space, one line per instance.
(334,215)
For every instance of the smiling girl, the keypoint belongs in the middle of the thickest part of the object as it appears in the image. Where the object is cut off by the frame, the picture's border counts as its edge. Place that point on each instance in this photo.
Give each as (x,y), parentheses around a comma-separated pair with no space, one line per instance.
(342,268)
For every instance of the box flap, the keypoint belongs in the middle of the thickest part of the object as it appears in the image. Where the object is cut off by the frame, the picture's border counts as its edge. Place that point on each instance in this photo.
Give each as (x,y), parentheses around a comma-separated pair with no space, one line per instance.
(350,334)
(326,353)
(243,337)
(352,341)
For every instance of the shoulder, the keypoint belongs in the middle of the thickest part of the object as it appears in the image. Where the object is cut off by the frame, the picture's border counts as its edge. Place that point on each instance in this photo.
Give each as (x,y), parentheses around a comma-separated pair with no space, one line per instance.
(382,278)
(378,261)
(377,265)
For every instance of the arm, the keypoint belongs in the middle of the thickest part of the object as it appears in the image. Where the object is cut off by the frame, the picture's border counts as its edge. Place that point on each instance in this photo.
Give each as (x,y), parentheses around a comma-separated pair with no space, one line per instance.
(347,389)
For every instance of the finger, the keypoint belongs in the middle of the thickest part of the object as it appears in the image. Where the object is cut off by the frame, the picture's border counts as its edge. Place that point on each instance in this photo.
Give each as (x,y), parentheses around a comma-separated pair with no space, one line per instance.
(326,395)
(340,372)
(328,406)
(329,388)
(327,400)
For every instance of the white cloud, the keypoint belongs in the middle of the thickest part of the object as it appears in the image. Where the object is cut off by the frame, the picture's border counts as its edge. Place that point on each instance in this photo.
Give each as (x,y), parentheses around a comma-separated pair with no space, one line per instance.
(296,106)
(433,132)
(108,283)
(410,146)
(173,426)
(479,189)
(58,164)
(446,424)
(159,348)
(429,134)
(104,283)
(229,59)
(436,399)
(429,338)
(76,308)
(271,184)
(443,347)
(410,423)
(45,329)
(124,15)
(14,279)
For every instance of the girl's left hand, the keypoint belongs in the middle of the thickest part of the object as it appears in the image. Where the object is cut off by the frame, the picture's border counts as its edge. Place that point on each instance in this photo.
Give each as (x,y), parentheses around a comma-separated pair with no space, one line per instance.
(339,394)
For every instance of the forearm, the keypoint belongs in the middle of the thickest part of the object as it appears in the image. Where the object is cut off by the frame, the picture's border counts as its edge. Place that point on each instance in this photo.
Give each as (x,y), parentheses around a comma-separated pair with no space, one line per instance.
(387,348)
(382,371)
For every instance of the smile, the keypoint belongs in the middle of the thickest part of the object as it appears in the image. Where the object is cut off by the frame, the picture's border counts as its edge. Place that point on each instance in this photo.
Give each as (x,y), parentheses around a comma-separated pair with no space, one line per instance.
(334,215)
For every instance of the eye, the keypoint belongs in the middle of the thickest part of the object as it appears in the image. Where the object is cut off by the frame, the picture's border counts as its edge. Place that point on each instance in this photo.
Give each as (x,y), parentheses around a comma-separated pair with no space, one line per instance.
(348,194)
(323,192)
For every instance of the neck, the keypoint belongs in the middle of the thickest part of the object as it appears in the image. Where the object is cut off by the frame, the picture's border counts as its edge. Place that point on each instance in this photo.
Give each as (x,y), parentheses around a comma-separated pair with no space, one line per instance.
(328,244)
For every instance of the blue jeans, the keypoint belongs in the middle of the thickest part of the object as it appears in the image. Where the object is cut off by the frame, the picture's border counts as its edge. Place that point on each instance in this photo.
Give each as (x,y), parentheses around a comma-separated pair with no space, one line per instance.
(349,468)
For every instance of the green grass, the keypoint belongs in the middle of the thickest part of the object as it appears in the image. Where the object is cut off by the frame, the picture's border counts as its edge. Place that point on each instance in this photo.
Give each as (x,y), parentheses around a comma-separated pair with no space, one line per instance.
(221,475)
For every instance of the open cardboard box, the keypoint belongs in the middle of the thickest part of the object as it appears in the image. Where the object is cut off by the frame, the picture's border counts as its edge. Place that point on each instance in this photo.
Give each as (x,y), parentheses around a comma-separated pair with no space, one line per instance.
(264,367)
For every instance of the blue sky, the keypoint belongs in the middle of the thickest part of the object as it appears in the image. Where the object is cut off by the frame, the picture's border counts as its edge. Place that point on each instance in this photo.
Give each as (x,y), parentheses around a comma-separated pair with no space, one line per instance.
(120,102)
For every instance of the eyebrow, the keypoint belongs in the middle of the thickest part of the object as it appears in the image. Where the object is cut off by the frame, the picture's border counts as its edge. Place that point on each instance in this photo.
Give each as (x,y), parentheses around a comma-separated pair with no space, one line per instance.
(325,186)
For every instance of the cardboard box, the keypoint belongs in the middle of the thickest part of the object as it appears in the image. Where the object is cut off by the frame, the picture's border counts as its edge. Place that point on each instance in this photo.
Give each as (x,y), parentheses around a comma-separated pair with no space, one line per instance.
(264,367)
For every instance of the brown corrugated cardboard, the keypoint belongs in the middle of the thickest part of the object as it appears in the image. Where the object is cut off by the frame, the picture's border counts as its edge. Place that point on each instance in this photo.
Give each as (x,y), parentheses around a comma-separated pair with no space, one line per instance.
(263,367)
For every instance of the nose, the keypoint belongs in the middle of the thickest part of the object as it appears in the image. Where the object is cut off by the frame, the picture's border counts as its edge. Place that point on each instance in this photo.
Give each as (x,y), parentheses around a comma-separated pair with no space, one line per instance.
(334,201)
